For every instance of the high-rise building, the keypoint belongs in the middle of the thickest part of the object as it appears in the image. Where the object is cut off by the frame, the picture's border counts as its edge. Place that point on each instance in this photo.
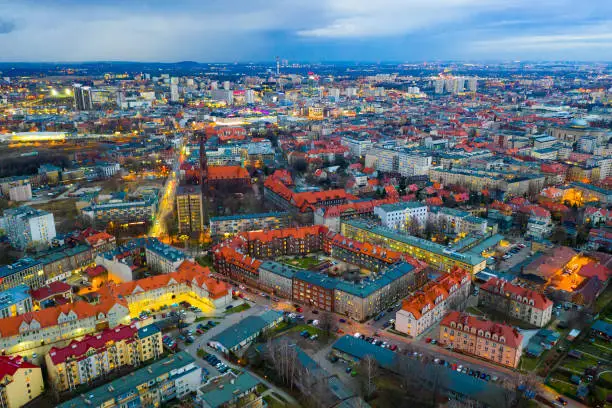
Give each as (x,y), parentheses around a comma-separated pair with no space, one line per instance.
(226,85)
(26,225)
(249,96)
(189,209)
(472,84)
(82,97)
(174,93)
(334,93)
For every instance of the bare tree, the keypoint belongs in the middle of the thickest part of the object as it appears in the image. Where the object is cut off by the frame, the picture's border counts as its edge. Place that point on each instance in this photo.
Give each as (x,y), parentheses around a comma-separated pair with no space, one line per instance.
(282,356)
(326,323)
(368,370)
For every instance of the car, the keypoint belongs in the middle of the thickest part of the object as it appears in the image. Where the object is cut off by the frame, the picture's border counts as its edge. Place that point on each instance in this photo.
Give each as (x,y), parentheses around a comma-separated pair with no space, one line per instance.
(275,299)
(386,324)
(314,337)
(437,360)
(434,342)
(340,331)
(309,321)
(228,307)
(342,320)
(487,377)
(353,373)
(34,356)
(189,339)
(181,337)
(465,370)
(315,312)
(212,323)
(334,359)
(562,400)
(483,376)
(303,333)
(299,309)
(300,317)
(454,366)
(348,369)
(369,339)
(393,347)
(390,309)
(378,342)
(428,340)
(315,322)
(494,378)
(459,368)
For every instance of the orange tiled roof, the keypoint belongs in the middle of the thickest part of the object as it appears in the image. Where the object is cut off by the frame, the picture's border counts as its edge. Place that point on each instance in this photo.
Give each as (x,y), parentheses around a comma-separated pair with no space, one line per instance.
(227,173)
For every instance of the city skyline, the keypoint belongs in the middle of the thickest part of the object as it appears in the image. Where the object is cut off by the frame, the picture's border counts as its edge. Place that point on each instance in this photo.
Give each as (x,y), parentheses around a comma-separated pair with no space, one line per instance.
(337,30)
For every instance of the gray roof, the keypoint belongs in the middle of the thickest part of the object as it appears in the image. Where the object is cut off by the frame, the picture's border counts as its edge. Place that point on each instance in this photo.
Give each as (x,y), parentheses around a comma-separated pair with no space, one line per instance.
(247,327)
(277,268)
(217,396)
(127,384)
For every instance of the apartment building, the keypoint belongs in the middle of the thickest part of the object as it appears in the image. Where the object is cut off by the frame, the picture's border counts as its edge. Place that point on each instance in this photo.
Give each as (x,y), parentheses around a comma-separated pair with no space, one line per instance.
(15,301)
(430,304)
(189,209)
(25,271)
(332,216)
(433,254)
(152,386)
(515,301)
(97,355)
(20,382)
(277,277)
(162,258)
(511,183)
(60,263)
(357,147)
(26,226)
(455,221)
(496,342)
(125,212)
(234,224)
(399,216)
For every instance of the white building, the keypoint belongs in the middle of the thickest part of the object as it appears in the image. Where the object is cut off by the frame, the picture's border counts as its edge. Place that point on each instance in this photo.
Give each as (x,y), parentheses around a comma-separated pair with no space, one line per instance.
(431,303)
(20,192)
(26,225)
(413,164)
(249,96)
(400,215)
(174,93)
(358,147)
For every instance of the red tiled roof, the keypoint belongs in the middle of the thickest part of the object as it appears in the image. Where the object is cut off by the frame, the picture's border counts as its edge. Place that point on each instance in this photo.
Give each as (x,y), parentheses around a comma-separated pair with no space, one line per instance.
(227,173)
(78,349)
(511,336)
(595,269)
(10,364)
(50,290)
(500,286)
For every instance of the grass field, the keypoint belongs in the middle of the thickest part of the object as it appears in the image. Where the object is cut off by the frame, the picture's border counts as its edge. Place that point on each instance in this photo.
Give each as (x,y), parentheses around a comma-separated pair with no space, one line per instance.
(237,309)
(65,209)
(306,262)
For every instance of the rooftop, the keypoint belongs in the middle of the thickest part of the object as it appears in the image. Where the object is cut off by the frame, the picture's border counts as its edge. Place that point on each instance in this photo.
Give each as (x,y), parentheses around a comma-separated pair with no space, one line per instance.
(247,327)
(20,265)
(225,389)
(14,295)
(127,384)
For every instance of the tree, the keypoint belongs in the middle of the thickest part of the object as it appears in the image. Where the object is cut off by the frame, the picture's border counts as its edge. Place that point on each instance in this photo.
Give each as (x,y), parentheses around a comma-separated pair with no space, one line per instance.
(283,359)
(326,323)
(559,235)
(368,370)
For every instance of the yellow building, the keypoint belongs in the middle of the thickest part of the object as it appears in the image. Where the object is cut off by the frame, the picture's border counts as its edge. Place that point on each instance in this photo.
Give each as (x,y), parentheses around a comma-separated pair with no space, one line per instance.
(189,209)
(96,355)
(20,382)
(433,254)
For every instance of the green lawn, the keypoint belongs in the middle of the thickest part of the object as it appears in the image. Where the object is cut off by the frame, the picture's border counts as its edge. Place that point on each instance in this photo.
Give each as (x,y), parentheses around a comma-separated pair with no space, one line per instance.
(473,311)
(306,262)
(240,308)
(604,299)
(563,387)
(311,329)
(273,402)
(528,363)
(579,365)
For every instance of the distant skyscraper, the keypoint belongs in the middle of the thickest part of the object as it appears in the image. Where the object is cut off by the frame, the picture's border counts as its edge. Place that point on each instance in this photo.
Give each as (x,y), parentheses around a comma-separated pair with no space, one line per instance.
(439,86)
(334,93)
(82,97)
(174,93)
(472,84)
(26,225)
(250,96)
(226,85)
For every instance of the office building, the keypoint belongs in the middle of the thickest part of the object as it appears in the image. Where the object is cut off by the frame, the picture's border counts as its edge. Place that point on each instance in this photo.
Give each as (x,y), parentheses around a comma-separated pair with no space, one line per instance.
(174,93)
(20,382)
(189,209)
(27,226)
(82,97)
(152,386)
(97,355)
(496,342)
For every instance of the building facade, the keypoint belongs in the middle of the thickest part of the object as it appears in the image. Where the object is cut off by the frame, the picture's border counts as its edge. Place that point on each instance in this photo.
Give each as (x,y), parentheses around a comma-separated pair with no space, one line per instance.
(189,209)
(430,304)
(515,301)
(15,301)
(498,343)
(20,383)
(25,271)
(99,354)
(26,225)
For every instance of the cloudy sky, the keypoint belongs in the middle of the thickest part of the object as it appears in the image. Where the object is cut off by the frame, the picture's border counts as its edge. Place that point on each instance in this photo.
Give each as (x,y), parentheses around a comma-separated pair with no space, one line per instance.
(305,30)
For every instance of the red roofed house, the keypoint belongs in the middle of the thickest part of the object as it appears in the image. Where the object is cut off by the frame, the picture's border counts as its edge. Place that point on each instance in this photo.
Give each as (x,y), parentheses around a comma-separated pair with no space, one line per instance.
(223,175)
(428,305)
(496,342)
(53,290)
(20,382)
(521,303)
(95,355)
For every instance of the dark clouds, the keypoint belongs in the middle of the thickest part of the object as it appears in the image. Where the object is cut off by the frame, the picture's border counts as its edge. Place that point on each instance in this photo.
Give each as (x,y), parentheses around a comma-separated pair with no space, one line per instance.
(316,30)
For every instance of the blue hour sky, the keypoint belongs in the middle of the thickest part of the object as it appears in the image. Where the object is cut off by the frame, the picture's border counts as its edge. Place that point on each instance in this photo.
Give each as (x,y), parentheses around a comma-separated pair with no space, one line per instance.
(299,30)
